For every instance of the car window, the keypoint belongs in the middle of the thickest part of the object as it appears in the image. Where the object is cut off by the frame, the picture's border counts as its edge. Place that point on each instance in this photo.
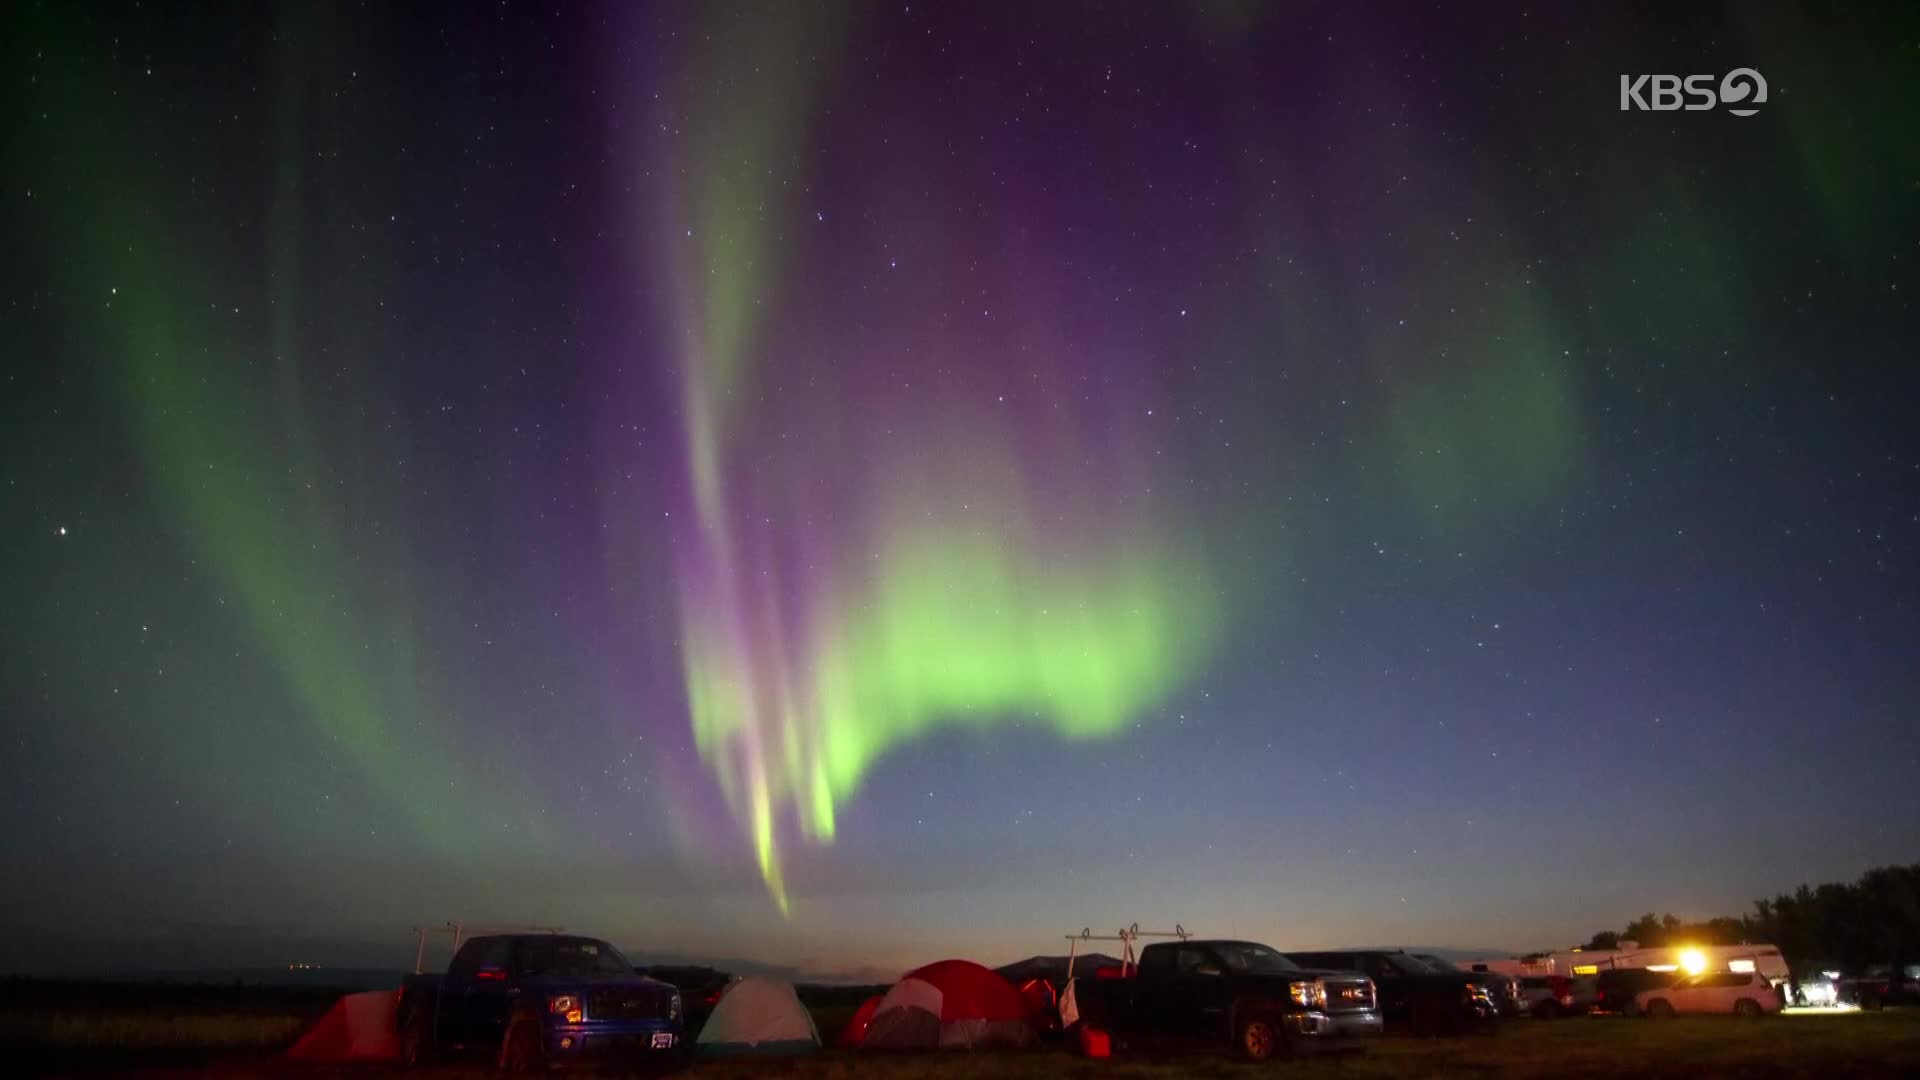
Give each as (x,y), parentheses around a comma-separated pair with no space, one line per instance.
(1246,957)
(570,956)
(1156,961)
(1198,962)
(1379,968)
(1331,961)
(497,953)
(467,960)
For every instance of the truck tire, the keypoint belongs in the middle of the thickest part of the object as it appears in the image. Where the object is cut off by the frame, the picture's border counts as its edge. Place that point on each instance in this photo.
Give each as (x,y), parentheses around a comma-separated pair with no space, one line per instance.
(1659,1009)
(1257,1037)
(1748,1008)
(521,1050)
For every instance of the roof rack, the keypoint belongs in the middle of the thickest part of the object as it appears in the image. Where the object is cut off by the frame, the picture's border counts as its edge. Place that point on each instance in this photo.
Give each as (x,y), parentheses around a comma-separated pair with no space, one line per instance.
(1126,936)
(460,930)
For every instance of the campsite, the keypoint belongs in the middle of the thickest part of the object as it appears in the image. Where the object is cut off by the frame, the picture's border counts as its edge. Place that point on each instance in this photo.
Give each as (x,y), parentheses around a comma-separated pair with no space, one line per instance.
(244,1032)
(239,1031)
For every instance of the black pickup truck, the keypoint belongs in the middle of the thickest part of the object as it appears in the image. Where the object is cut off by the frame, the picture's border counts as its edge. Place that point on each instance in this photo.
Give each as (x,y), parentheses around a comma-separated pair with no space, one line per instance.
(529,1000)
(1234,993)
(1413,994)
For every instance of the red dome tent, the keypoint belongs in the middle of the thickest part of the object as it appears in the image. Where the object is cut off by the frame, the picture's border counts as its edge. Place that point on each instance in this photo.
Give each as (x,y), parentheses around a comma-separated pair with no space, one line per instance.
(951,1003)
(855,1032)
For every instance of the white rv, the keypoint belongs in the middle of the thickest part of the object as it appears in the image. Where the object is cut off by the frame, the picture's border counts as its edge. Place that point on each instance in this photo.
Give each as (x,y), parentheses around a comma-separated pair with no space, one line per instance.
(1688,959)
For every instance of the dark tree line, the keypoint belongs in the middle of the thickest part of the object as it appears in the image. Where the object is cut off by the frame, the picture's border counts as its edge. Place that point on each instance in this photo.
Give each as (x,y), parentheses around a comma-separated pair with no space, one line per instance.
(1849,926)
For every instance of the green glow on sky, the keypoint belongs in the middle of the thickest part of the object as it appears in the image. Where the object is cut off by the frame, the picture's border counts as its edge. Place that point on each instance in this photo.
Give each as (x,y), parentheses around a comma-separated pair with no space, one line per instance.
(944,634)
(798,688)
(297,537)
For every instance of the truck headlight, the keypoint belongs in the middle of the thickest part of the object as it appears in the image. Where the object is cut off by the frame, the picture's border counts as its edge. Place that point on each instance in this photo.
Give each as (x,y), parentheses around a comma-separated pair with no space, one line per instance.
(1476,990)
(1312,995)
(566,1005)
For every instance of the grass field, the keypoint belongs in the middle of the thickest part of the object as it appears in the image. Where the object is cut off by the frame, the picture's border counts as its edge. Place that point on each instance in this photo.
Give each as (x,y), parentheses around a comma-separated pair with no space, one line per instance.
(217,1038)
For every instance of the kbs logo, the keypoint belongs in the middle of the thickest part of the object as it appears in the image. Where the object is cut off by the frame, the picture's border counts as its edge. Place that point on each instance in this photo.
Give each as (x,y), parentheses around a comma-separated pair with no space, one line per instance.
(1741,89)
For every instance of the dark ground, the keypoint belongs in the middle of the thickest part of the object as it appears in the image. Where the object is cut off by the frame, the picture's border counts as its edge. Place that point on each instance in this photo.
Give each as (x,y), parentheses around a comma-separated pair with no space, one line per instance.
(53,1028)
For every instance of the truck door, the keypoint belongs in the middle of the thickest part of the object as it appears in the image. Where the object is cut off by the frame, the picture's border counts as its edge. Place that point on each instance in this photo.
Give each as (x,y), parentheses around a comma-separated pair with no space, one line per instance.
(1394,989)
(490,993)
(450,1002)
(1191,1004)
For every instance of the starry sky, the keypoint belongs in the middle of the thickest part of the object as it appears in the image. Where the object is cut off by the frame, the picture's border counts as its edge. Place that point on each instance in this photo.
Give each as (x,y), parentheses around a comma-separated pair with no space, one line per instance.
(848,485)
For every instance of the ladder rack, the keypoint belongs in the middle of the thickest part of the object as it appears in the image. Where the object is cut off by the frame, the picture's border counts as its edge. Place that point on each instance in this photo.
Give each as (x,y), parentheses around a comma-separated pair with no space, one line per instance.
(1126,936)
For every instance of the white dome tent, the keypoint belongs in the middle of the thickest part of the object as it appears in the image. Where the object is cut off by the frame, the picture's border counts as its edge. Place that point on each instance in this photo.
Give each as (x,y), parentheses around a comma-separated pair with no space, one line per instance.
(758,1016)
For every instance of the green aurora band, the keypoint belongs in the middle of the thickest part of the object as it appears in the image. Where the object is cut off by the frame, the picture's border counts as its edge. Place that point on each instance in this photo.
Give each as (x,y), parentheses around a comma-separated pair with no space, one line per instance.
(799,681)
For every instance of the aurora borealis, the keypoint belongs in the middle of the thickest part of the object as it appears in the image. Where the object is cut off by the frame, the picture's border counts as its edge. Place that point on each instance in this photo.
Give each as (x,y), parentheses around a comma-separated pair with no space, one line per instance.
(843,484)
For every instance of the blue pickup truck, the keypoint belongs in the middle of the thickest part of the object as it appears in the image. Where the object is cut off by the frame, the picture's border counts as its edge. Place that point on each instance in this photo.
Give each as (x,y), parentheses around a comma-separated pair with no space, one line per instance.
(530,1000)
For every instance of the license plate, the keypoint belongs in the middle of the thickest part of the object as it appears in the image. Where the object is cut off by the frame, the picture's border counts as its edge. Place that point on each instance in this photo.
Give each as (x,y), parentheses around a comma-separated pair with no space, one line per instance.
(663,1040)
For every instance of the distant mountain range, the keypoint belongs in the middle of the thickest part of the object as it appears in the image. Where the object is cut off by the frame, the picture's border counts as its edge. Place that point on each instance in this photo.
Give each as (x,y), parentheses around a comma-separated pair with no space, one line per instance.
(1054,968)
(331,978)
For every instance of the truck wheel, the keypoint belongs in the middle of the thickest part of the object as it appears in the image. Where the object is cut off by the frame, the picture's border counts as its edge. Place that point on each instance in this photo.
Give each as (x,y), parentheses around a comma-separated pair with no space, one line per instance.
(1746,1007)
(521,1051)
(1258,1039)
(416,1038)
(1659,1009)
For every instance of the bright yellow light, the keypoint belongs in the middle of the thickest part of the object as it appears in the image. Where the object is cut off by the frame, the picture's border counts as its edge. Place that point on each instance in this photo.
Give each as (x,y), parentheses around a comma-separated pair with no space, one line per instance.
(1693,960)
(1742,967)
(1586,969)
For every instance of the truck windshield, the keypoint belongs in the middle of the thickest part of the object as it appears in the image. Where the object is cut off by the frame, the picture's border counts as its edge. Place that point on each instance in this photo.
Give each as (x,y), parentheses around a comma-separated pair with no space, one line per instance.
(571,956)
(1254,960)
(1411,965)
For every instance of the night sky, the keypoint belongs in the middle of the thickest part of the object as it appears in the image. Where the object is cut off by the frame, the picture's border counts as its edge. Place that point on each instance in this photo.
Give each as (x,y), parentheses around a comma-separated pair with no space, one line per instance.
(851,486)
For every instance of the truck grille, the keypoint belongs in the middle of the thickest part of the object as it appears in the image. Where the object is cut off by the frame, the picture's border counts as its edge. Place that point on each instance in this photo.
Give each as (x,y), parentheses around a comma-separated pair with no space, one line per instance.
(637,1004)
(1349,994)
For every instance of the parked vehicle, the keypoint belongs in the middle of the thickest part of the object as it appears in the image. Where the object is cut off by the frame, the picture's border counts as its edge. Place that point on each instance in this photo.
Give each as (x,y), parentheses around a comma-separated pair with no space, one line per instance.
(1415,995)
(1880,986)
(1503,988)
(1549,997)
(532,999)
(1614,990)
(1237,993)
(1742,993)
(1822,989)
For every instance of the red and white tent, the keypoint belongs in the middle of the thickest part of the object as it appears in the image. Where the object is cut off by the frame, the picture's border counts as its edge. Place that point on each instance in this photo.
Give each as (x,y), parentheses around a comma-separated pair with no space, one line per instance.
(951,1003)
(359,1027)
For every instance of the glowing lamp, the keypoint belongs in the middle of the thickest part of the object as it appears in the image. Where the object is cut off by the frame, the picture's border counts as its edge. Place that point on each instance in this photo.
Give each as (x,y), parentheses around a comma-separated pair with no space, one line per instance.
(1740,967)
(1693,961)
